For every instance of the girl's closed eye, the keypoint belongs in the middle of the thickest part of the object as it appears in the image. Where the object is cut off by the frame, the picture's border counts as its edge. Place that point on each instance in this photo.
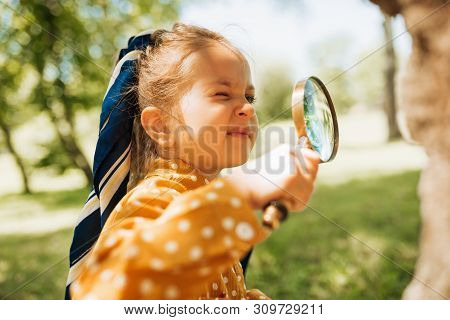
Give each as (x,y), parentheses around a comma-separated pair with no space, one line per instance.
(251,99)
(222,94)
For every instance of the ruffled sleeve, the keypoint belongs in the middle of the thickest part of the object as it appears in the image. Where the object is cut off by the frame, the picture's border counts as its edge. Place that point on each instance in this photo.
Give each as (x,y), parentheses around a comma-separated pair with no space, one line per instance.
(163,242)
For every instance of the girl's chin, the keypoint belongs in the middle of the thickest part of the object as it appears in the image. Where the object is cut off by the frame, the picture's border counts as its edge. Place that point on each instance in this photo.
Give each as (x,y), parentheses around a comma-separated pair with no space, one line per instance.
(239,142)
(239,162)
(236,158)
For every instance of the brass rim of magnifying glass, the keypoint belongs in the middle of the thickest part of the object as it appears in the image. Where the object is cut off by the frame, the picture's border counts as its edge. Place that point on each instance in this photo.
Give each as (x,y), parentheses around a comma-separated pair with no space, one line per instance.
(298,112)
(275,211)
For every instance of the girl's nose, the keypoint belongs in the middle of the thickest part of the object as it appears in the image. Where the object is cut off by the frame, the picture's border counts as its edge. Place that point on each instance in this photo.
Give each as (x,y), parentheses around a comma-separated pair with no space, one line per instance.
(245,111)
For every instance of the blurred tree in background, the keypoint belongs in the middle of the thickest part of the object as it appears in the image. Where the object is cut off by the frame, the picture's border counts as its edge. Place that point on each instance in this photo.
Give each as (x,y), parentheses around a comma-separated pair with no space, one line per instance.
(57,56)
(11,77)
(390,69)
(329,57)
(367,80)
(66,50)
(370,83)
(425,103)
(274,94)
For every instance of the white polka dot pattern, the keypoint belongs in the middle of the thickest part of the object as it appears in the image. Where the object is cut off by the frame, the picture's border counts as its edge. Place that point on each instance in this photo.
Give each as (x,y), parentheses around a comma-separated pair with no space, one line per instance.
(156,264)
(90,296)
(147,236)
(164,236)
(245,231)
(110,241)
(132,252)
(219,184)
(228,241)
(228,223)
(196,253)
(171,246)
(171,292)
(119,281)
(195,204)
(207,232)
(235,202)
(106,275)
(211,196)
(184,225)
(146,286)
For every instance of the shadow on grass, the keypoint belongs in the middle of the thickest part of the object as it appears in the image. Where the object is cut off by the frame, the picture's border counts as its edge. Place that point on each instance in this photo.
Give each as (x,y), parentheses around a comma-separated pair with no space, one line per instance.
(307,258)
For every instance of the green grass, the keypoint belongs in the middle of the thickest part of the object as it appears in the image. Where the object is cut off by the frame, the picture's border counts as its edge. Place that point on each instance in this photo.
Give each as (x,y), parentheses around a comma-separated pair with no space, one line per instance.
(307,258)
(310,257)
(19,205)
(22,258)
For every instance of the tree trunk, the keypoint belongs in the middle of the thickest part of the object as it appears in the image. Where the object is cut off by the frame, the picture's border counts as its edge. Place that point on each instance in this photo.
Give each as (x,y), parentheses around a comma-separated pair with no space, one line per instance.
(425,103)
(389,102)
(65,133)
(19,161)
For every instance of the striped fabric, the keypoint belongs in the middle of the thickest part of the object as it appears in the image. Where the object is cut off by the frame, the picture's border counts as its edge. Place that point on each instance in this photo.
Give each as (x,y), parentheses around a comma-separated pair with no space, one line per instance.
(112,156)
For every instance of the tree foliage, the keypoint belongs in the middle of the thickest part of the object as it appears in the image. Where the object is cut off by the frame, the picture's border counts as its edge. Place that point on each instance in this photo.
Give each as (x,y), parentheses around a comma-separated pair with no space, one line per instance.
(274,95)
(68,48)
(329,56)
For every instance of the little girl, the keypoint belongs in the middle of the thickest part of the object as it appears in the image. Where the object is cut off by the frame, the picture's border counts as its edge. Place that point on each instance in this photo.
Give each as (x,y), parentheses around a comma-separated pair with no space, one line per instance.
(180,230)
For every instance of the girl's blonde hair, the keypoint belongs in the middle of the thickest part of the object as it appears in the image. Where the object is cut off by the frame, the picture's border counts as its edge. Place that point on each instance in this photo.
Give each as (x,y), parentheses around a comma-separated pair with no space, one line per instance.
(163,78)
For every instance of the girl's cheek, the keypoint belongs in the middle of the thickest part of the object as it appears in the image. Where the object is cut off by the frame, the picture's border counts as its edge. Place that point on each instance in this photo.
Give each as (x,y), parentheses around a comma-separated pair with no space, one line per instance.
(254,124)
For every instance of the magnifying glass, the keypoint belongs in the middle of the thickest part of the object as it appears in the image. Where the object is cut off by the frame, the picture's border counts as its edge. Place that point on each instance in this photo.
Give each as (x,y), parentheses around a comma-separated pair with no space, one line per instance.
(316,125)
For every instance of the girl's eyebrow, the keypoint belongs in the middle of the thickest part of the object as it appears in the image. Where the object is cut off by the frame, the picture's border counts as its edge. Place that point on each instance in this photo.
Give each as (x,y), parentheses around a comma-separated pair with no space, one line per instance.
(229,84)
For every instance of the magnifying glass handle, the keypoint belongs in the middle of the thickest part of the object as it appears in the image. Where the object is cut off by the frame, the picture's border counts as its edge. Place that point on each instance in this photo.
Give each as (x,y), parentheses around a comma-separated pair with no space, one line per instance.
(274,212)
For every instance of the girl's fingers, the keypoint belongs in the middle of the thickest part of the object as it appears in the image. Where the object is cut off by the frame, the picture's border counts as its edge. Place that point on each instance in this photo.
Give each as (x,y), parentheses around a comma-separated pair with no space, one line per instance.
(292,204)
(289,203)
(308,163)
(296,204)
(297,198)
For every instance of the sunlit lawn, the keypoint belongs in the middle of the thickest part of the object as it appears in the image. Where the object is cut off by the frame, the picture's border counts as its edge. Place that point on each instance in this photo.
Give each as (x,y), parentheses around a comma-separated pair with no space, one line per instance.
(309,257)
(312,257)
(23,257)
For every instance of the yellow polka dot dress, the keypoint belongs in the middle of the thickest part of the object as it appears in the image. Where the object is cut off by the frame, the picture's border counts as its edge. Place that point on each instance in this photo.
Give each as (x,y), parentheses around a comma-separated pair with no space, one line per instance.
(174,236)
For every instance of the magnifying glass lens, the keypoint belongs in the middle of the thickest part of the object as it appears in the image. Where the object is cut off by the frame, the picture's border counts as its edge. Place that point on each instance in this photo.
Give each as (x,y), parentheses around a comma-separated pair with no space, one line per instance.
(318,119)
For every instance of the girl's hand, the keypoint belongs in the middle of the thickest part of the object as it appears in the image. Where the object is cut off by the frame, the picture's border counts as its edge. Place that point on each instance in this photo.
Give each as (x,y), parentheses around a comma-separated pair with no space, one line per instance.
(278,175)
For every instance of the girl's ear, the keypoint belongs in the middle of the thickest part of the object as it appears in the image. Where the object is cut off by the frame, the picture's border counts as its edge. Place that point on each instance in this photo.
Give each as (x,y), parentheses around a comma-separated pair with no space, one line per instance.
(153,123)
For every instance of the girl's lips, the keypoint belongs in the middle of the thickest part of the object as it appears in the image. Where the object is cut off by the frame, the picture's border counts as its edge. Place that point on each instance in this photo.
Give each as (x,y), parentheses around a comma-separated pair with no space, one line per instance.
(239,132)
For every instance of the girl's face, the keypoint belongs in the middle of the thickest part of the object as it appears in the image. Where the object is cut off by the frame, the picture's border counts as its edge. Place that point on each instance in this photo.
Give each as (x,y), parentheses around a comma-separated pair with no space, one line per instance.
(217,111)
